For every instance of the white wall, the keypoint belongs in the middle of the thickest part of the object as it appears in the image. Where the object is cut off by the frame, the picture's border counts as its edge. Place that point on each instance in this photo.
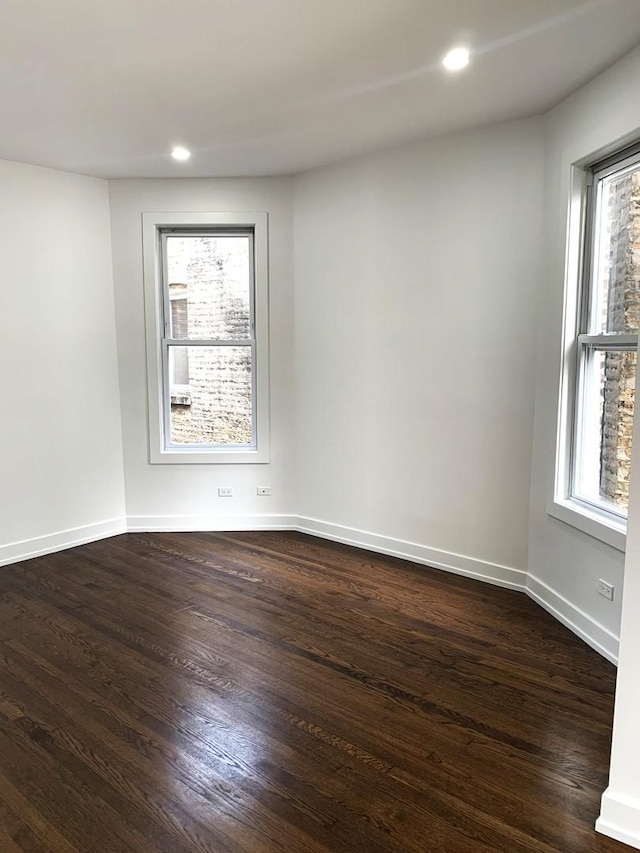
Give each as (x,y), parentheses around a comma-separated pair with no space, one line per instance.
(415,273)
(185,496)
(61,464)
(564,563)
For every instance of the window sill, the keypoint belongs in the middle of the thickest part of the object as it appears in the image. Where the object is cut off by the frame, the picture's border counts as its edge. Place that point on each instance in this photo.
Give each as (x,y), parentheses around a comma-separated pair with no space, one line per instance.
(198,456)
(600,525)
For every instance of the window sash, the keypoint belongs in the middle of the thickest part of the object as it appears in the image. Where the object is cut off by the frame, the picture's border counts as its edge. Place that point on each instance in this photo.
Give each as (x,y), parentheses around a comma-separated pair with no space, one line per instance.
(587,416)
(164,233)
(167,343)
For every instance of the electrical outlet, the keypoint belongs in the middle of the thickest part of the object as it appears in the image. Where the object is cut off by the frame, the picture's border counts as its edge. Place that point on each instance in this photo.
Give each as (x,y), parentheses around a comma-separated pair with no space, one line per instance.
(264,490)
(225,492)
(605,589)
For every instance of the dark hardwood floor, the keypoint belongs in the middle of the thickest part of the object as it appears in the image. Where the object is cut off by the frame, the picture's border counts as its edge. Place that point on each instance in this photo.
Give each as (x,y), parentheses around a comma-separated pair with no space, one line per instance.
(273,692)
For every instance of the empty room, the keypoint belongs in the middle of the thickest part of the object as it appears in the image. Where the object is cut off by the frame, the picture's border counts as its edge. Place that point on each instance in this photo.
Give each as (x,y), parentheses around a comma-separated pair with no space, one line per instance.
(320,531)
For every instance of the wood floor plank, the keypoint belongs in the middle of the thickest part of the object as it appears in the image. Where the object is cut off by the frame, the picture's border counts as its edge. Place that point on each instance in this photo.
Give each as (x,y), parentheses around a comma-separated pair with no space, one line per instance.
(274,692)
(16,835)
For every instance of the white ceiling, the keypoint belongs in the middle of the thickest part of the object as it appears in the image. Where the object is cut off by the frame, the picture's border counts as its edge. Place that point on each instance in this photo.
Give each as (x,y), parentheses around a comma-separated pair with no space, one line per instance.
(259,87)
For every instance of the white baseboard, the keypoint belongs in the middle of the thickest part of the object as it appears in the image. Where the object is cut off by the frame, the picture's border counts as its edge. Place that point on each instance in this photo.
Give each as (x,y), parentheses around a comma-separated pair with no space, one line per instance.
(620,818)
(212,523)
(470,567)
(592,632)
(15,552)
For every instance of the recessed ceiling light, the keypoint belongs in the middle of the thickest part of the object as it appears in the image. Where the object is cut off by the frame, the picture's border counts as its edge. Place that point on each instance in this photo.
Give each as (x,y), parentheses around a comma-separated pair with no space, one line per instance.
(180,153)
(456,59)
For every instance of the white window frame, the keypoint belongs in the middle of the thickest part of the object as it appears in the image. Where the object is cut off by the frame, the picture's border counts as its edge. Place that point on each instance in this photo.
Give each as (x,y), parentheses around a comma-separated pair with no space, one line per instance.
(605,525)
(161,451)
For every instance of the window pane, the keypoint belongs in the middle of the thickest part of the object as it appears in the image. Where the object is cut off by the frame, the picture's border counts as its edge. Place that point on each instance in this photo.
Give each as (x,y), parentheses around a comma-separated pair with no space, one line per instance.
(215,406)
(210,275)
(607,423)
(617,254)
(179,367)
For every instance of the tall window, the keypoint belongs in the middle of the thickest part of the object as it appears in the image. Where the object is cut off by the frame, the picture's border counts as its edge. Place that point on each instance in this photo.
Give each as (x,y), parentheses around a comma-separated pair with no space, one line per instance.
(607,337)
(206,304)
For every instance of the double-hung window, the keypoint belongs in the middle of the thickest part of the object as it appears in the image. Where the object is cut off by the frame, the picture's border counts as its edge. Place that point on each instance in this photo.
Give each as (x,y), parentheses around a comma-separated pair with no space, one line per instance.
(206,311)
(605,344)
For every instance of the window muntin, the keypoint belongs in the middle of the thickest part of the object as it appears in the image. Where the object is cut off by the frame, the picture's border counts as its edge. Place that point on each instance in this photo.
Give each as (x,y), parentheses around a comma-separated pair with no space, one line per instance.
(607,338)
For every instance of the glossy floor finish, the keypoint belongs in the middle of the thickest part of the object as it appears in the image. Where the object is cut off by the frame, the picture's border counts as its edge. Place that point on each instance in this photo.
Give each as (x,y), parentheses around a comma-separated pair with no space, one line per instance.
(273,692)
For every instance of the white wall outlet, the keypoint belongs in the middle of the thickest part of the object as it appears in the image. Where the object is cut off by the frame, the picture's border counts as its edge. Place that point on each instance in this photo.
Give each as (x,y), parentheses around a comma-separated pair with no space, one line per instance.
(225,492)
(605,589)
(264,490)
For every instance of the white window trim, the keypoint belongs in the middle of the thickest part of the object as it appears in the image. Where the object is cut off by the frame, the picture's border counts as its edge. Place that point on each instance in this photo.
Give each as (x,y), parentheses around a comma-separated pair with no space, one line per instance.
(561,504)
(152,223)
